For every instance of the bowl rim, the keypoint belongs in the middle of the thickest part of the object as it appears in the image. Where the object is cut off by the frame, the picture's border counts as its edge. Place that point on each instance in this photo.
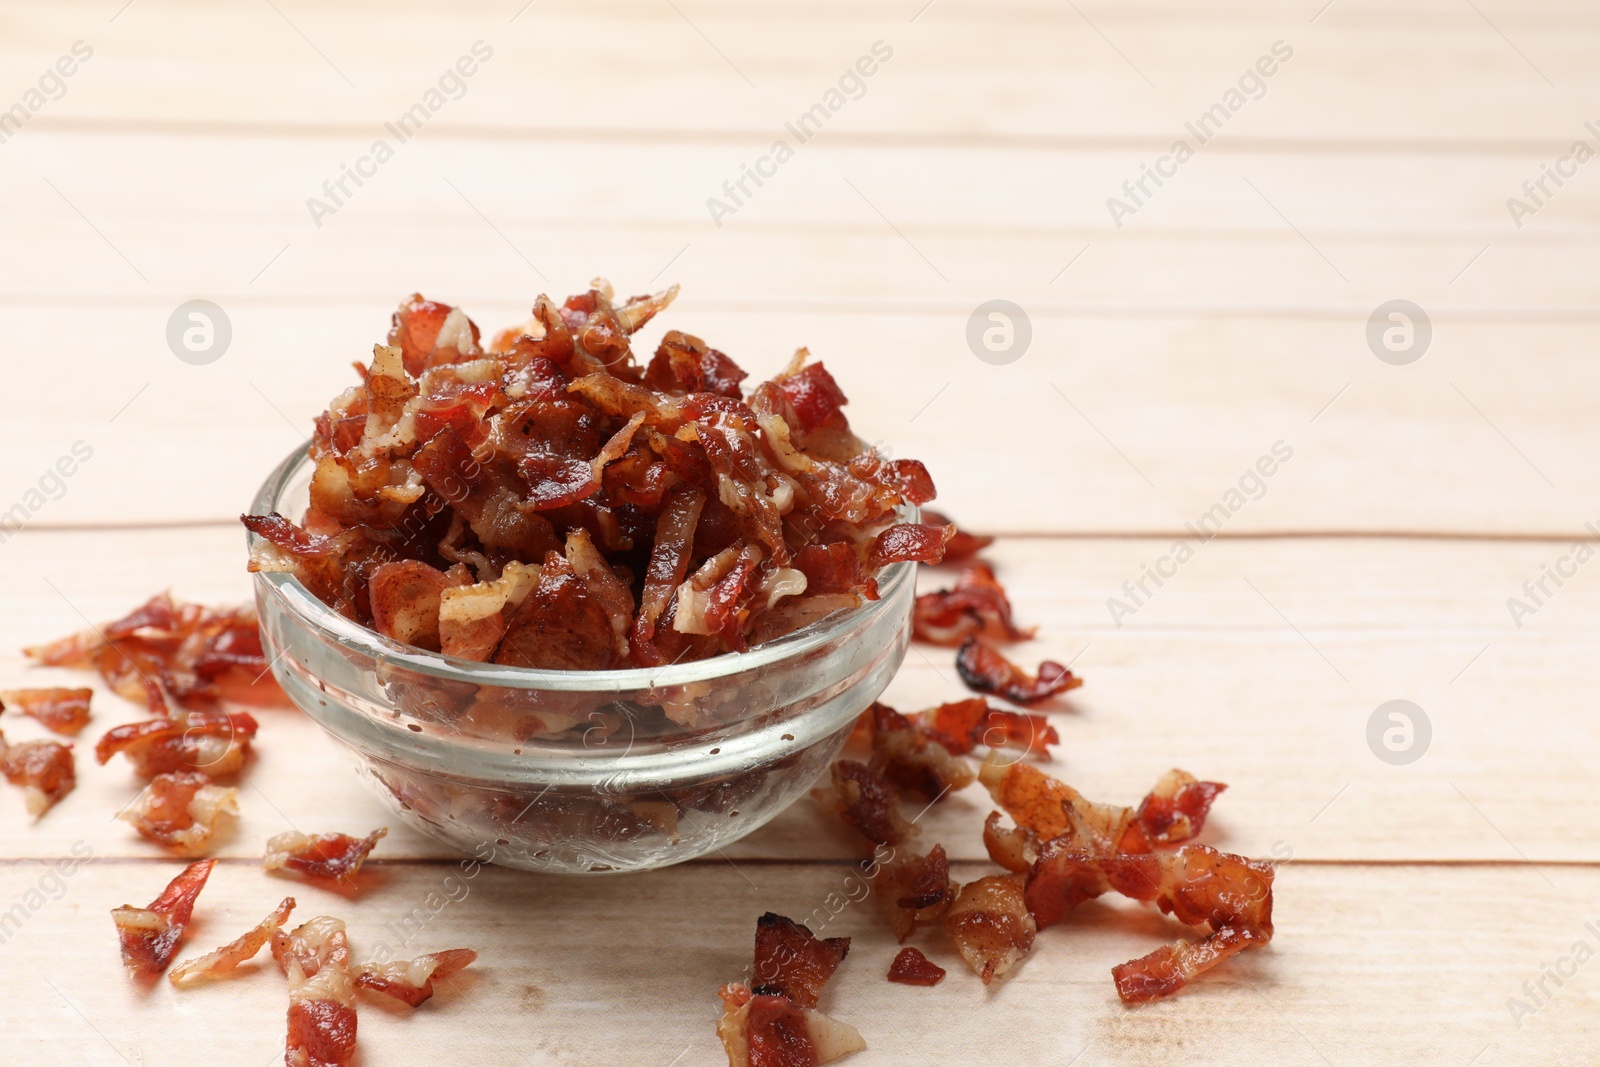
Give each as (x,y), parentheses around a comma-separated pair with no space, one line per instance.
(364,641)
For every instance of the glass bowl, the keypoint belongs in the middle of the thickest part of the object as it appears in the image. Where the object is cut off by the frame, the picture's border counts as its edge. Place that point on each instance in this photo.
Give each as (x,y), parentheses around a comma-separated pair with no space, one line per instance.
(579,772)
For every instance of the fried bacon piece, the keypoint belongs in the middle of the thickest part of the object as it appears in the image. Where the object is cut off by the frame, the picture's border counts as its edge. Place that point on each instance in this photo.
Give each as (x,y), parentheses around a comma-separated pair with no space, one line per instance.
(65,711)
(977,604)
(961,546)
(1197,885)
(962,725)
(332,857)
(150,936)
(776,1023)
(911,967)
(222,961)
(411,981)
(164,652)
(44,770)
(211,741)
(696,498)
(322,997)
(183,811)
(990,925)
(985,670)
(915,891)
(1014,849)
(770,1031)
(867,802)
(791,962)
(912,757)
(1173,812)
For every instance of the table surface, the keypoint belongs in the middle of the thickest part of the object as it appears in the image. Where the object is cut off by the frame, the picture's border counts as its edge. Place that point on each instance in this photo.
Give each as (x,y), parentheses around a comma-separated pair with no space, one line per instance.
(1227,314)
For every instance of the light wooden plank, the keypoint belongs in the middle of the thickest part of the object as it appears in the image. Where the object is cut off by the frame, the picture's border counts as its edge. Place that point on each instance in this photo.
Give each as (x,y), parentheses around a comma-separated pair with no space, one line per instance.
(624,971)
(1359,72)
(1207,676)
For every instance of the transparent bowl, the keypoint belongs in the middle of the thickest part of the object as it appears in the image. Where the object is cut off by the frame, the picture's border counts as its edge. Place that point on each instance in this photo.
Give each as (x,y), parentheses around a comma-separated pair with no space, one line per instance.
(580,772)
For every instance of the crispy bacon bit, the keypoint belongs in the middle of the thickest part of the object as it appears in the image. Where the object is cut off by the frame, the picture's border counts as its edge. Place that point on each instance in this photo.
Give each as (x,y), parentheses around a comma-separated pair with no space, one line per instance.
(412,981)
(211,741)
(150,936)
(1014,849)
(1197,885)
(333,857)
(166,652)
(912,757)
(791,962)
(963,725)
(867,802)
(986,671)
(776,1024)
(182,811)
(963,545)
(494,457)
(911,967)
(43,769)
(915,891)
(769,1031)
(66,711)
(910,541)
(990,925)
(1050,808)
(322,997)
(222,961)
(976,605)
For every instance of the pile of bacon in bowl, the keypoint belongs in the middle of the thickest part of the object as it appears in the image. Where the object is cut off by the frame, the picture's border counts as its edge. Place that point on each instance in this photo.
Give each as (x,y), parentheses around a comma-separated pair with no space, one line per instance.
(546,501)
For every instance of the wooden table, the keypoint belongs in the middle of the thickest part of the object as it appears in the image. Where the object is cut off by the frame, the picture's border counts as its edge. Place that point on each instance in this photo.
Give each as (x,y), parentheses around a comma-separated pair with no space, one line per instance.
(1229,311)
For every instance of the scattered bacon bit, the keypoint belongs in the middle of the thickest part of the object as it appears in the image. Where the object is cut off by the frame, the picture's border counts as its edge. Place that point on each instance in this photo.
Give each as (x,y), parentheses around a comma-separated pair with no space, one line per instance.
(1196,884)
(911,967)
(921,542)
(769,1031)
(166,652)
(183,811)
(211,741)
(43,769)
(150,936)
(912,757)
(1050,808)
(412,981)
(452,452)
(990,925)
(962,725)
(867,802)
(222,961)
(976,605)
(985,670)
(915,891)
(322,998)
(791,962)
(963,545)
(776,1024)
(66,711)
(333,857)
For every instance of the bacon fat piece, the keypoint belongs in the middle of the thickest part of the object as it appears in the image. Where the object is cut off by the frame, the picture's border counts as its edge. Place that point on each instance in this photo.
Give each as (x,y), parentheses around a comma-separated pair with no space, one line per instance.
(977,604)
(165,652)
(150,936)
(991,926)
(182,811)
(65,711)
(770,1031)
(915,891)
(911,967)
(332,857)
(211,741)
(322,996)
(219,962)
(985,670)
(412,981)
(44,770)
